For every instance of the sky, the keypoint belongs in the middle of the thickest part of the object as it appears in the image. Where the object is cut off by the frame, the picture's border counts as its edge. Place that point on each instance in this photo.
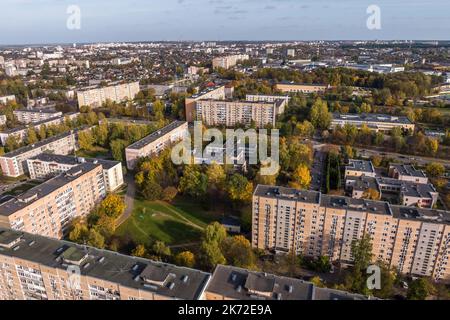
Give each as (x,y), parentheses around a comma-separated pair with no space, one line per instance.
(45,21)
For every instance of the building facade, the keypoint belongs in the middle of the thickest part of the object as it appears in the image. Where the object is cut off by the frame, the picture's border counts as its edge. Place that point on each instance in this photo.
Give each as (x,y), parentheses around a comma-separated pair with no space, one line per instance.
(228,62)
(95,96)
(215,93)
(14,163)
(31,116)
(301,88)
(413,240)
(155,142)
(48,208)
(47,165)
(375,122)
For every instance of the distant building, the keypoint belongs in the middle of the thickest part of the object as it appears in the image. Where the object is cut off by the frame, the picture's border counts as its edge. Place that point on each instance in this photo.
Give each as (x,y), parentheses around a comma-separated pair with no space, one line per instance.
(3,119)
(31,116)
(228,62)
(48,208)
(357,168)
(375,122)
(290,52)
(301,88)
(96,96)
(47,165)
(5,99)
(155,142)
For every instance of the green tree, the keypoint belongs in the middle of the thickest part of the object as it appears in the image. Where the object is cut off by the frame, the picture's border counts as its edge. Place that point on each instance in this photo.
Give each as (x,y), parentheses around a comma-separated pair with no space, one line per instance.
(435,169)
(319,115)
(193,182)
(95,239)
(31,136)
(86,140)
(419,289)
(118,149)
(238,252)
(160,249)
(139,251)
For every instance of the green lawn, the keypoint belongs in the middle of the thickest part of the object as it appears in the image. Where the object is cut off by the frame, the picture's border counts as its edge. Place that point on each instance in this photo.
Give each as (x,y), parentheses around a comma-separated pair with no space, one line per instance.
(96,152)
(157,220)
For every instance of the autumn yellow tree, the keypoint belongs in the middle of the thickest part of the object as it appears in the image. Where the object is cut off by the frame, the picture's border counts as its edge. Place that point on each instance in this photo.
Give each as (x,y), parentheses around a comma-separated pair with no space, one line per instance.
(186,259)
(301,178)
(139,251)
(113,206)
(371,194)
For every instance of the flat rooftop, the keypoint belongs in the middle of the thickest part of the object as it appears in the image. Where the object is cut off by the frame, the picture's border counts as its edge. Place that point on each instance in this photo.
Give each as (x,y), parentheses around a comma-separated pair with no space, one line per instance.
(371,117)
(408,170)
(156,135)
(360,165)
(73,160)
(242,284)
(177,282)
(32,125)
(39,144)
(25,199)
(287,194)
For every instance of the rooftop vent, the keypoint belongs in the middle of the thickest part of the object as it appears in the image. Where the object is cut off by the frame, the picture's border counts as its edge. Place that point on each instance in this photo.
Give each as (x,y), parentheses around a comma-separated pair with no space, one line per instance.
(185,278)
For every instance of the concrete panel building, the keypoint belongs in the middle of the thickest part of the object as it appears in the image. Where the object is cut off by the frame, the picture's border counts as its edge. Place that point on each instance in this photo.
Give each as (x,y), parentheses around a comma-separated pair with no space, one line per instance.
(27,116)
(228,62)
(48,208)
(301,88)
(95,96)
(215,93)
(155,142)
(375,122)
(47,165)
(412,240)
(14,163)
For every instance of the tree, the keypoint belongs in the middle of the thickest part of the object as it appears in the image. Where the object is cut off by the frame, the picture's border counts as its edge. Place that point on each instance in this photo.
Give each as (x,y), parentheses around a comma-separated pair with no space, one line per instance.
(317,282)
(419,289)
(186,259)
(432,146)
(238,252)
(152,191)
(376,160)
(42,132)
(211,253)
(216,176)
(371,194)
(101,134)
(78,231)
(158,110)
(31,136)
(139,251)
(301,178)
(11,143)
(160,249)
(95,239)
(435,169)
(193,182)
(86,140)
(387,282)
(319,115)
(239,188)
(305,129)
(113,206)
(106,225)
(117,149)
(362,252)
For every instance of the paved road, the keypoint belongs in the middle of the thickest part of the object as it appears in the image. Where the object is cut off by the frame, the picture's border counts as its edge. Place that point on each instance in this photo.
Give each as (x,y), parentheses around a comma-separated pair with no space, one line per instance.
(317,170)
(129,199)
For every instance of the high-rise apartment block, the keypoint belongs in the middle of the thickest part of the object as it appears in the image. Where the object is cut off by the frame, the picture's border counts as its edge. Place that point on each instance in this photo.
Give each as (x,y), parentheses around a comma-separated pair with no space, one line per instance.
(48,208)
(155,142)
(413,240)
(47,165)
(14,163)
(215,93)
(228,61)
(375,122)
(96,96)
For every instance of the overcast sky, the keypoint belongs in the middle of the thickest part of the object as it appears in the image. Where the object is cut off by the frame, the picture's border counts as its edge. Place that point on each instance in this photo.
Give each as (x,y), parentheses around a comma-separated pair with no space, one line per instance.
(44,21)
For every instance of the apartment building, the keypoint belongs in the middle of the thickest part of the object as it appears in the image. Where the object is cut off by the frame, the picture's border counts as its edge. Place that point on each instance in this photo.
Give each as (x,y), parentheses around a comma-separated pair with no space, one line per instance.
(5,99)
(228,62)
(232,113)
(155,142)
(422,195)
(14,163)
(407,173)
(47,165)
(269,98)
(48,208)
(34,267)
(3,119)
(20,133)
(27,116)
(301,88)
(413,240)
(233,283)
(375,122)
(214,93)
(358,168)
(95,96)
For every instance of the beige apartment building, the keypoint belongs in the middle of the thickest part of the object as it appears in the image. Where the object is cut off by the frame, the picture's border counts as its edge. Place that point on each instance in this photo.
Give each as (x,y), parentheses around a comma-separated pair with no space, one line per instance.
(95,96)
(34,267)
(14,163)
(301,88)
(155,142)
(375,122)
(414,240)
(215,93)
(31,116)
(228,62)
(48,165)
(48,208)
(232,113)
